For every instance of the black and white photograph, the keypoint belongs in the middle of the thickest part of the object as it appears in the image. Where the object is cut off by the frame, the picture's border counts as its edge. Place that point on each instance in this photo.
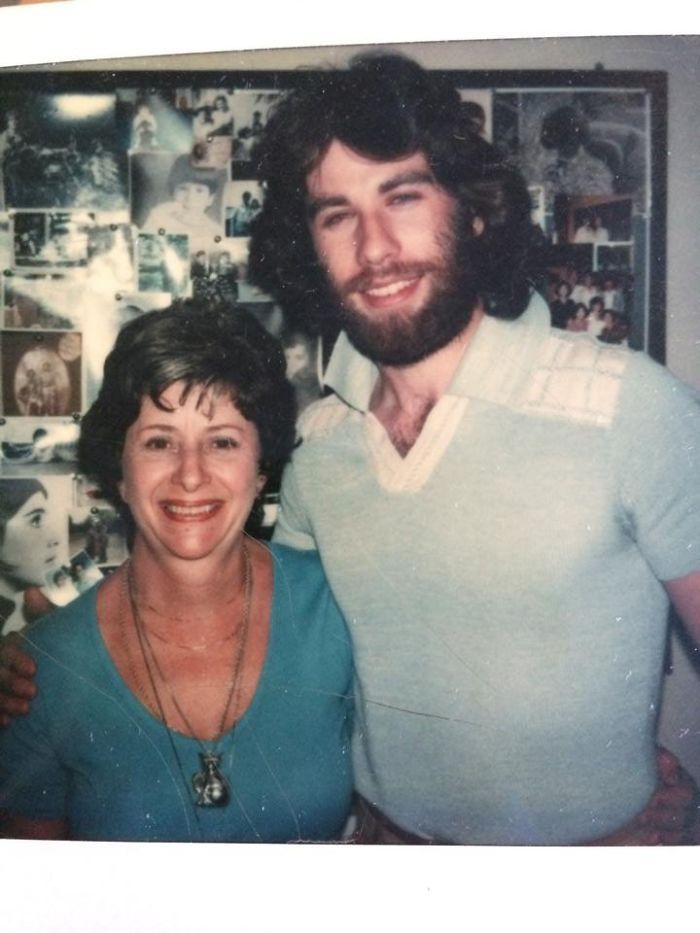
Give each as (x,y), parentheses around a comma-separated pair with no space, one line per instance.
(215,276)
(213,152)
(45,302)
(110,258)
(243,202)
(477,108)
(233,259)
(62,152)
(84,571)
(576,143)
(304,366)
(163,263)
(33,445)
(41,373)
(212,112)
(33,544)
(250,113)
(51,239)
(72,579)
(170,194)
(94,525)
(111,311)
(148,120)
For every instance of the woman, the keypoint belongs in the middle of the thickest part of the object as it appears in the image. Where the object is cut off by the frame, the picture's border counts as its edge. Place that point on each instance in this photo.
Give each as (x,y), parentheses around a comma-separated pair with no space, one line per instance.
(29,547)
(202,691)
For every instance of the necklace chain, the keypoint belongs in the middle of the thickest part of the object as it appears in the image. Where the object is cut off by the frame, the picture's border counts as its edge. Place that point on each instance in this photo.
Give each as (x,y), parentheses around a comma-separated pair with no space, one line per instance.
(209,784)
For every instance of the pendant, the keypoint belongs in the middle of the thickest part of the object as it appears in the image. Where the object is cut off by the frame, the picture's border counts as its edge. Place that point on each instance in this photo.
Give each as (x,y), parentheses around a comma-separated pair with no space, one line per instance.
(209,784)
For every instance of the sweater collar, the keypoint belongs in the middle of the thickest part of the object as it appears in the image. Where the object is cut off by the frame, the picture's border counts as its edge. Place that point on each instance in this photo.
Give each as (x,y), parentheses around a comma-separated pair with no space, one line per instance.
(498,358)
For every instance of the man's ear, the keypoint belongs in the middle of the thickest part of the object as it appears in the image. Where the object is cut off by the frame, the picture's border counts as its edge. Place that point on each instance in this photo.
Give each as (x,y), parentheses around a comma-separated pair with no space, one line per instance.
(478,226)
(261,482)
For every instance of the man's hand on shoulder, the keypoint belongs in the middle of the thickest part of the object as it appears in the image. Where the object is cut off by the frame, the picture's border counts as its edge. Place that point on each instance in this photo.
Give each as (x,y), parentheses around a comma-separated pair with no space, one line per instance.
(17,670)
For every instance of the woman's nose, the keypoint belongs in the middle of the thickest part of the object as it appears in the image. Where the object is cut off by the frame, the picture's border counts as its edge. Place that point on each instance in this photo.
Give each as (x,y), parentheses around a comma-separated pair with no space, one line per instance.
(190,471)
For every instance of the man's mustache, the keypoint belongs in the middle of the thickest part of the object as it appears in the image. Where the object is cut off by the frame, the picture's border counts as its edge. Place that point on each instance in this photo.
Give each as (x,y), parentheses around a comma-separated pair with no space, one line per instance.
(372,278)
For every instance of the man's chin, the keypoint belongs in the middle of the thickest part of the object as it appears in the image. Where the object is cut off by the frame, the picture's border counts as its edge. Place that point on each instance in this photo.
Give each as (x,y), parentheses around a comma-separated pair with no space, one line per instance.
(401,340)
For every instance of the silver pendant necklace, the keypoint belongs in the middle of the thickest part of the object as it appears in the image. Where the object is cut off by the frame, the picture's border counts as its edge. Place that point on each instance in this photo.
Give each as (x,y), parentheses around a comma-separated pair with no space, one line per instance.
(210,787)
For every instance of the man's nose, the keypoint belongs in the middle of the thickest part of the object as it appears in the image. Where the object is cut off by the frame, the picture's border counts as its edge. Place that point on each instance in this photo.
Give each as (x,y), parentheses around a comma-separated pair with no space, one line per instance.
(376,241)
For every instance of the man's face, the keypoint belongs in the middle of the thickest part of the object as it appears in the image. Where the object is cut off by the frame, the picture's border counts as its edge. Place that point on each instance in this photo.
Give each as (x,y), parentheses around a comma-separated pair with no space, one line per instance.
(385,233)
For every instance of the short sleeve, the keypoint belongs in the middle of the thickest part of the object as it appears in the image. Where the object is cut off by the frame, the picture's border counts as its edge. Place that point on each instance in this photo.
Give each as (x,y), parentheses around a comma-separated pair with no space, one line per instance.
(657,445)
(293,527)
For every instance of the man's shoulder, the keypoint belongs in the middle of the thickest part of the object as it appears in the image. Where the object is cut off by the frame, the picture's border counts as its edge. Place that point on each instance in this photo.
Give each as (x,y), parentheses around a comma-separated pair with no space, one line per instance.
(577,378)
(323,417)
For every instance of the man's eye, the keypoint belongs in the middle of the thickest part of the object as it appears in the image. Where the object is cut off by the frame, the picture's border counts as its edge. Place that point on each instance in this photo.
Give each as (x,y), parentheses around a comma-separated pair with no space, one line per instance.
(329,221)
(405,197)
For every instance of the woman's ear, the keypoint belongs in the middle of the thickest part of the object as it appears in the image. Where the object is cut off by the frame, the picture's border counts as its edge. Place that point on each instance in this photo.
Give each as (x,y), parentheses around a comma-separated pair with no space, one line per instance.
(260,483)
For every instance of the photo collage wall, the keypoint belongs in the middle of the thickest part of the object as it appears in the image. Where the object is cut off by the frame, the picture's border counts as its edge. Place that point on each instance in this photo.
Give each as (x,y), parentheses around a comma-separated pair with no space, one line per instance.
(122,192)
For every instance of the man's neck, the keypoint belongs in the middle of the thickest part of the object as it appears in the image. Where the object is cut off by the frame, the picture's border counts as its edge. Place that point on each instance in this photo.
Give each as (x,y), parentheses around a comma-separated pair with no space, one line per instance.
(404,396)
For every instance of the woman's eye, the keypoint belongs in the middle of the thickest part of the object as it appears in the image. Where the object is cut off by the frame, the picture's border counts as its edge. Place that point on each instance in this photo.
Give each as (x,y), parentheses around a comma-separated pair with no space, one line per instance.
(223,443)
(158,443)
(37,520)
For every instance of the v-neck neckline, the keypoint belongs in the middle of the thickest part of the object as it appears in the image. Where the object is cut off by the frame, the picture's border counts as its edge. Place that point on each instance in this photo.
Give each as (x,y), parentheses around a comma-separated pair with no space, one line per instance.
(409,473)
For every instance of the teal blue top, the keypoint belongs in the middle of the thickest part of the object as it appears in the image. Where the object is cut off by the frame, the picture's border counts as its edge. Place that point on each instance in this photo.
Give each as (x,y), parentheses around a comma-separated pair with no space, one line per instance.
(91,752)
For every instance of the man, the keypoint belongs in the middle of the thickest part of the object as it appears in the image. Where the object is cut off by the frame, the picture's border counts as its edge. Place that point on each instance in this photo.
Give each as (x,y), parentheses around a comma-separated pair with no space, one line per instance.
(480,487)
(507,631)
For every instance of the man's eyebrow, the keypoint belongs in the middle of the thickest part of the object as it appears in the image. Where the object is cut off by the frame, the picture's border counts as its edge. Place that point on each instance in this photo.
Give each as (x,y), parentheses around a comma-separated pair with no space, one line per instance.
(415,177)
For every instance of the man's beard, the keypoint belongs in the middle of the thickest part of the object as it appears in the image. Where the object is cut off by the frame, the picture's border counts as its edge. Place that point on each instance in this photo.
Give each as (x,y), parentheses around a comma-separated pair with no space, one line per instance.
(392,338)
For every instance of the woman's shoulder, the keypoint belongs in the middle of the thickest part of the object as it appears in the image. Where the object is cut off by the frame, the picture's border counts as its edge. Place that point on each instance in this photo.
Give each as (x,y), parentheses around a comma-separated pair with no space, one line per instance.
(295,561)
(301,584)
(58,632)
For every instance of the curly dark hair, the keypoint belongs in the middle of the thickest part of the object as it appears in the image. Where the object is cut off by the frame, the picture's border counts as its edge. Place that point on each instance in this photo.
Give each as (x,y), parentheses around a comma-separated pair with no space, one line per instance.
(224,348)
(386,107)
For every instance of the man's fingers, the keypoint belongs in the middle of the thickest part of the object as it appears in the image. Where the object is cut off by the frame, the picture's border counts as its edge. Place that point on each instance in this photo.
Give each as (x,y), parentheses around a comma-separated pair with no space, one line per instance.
(11,706)
(14,659)
(669,767)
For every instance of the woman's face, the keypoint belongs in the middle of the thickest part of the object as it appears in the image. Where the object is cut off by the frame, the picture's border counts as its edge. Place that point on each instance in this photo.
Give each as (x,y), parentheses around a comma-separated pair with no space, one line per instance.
(31,543)
(190,475)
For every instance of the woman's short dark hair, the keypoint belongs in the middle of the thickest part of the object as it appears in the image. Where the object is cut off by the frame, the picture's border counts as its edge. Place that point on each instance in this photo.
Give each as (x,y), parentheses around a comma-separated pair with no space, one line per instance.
(386,107)
(224,348)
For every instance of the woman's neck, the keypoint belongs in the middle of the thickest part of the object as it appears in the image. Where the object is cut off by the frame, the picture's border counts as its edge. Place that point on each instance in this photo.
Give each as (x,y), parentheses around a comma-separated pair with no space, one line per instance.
(187,590)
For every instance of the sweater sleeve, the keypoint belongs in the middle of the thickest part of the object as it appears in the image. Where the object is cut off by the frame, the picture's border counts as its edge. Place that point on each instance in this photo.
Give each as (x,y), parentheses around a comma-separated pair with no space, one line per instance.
(293,525)
(657,448)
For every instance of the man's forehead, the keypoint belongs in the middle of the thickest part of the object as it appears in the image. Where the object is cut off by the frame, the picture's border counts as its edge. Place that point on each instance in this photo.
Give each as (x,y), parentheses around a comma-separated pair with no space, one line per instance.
(340,167)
